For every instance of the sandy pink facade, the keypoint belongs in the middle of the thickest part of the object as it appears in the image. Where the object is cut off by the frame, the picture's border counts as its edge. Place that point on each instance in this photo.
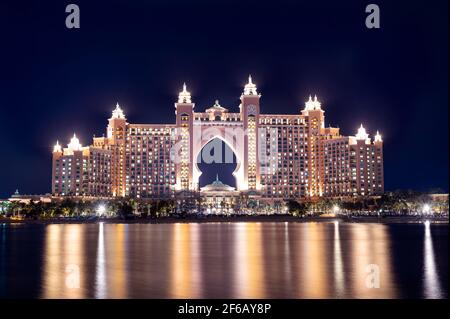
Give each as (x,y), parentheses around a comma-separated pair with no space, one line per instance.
(278,155)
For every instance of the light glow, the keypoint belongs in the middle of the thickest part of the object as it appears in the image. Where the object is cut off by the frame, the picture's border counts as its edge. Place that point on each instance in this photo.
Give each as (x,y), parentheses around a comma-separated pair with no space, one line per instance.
(378,137)
(250,87)
(184,96)
(57,148)
(362,134)
(74,144)
(118,113)
(101,209)
(312,105)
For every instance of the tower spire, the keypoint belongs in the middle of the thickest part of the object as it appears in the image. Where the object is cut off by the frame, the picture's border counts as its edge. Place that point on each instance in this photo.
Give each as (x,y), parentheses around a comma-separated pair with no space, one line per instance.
(250,87)
(75,144)
(362,134)
(312,105)
(184,96)
(57,148)
(117,113)
(378,137)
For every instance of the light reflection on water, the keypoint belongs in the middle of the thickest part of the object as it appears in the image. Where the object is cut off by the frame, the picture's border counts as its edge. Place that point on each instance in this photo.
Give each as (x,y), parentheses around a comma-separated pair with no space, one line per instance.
(339,280)
(100,278)
(431,276)
(223,260)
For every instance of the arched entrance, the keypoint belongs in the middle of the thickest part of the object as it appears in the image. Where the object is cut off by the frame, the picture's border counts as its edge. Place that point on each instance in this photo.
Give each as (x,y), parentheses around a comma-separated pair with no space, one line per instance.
(216,160)
(233,142)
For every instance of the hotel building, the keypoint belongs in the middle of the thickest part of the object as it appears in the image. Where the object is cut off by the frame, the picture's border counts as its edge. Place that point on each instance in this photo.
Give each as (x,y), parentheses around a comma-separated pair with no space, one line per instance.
(278,156)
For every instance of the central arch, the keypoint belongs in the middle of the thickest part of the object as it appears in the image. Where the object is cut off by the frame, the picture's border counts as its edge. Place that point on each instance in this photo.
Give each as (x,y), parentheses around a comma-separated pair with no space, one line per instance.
(217,160)
(236,146)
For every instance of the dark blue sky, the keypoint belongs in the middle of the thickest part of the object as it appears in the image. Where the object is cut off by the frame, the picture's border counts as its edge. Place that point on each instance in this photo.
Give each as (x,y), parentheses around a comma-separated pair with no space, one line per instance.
(54,81)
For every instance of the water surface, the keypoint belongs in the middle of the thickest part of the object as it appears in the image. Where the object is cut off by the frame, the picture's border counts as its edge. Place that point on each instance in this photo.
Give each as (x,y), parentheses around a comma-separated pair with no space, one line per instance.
(224,260)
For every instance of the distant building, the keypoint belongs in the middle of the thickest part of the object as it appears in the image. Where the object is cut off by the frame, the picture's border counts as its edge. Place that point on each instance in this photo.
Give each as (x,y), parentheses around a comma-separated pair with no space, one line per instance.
(352,164)
(79,170)
(279,156)
(439,197)
(27,199)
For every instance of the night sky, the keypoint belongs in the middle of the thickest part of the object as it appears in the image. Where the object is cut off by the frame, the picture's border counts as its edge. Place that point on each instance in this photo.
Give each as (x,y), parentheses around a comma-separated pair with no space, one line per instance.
(55,81)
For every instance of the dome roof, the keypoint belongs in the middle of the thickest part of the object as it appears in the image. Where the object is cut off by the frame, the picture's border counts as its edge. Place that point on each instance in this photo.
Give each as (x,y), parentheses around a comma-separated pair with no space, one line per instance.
(216,107)
(217,186)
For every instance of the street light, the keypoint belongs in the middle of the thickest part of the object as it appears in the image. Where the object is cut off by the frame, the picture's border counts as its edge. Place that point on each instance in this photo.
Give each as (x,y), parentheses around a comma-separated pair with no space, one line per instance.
(336,209)
(101,209)
(426,209)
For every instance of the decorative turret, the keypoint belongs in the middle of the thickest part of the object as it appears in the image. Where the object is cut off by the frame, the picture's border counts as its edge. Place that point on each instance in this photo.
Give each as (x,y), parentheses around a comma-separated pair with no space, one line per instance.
(117,113)
(184,111)
(57,148)
(313,105)
(74,144)
(249,109)
(250,87)
(378,138)
(184,96)
(362,134)
(116,124)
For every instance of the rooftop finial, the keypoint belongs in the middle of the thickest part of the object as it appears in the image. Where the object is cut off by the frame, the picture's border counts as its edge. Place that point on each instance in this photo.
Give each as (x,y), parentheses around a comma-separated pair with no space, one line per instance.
(250,87)
(117,113)
(362,134)
(74,144)
(217,177)
(312,105)
(184,96)
(57,148)
(378,137)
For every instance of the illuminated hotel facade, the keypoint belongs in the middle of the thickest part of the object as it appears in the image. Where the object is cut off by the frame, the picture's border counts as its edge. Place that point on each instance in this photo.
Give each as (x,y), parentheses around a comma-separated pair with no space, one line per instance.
(278,156)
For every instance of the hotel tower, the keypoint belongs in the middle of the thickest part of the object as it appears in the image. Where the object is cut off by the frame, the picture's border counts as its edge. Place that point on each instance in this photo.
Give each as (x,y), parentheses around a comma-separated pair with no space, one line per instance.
(278,156)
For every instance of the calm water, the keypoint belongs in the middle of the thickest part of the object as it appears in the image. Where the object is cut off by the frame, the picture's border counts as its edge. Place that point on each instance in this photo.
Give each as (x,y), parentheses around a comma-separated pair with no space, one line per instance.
(224,260)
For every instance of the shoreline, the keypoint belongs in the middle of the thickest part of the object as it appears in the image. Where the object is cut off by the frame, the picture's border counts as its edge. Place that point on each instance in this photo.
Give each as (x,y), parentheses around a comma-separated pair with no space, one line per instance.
(236,219)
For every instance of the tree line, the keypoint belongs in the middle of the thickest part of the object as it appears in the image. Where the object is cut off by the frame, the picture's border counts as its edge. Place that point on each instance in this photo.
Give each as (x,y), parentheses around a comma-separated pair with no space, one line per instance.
(391,203)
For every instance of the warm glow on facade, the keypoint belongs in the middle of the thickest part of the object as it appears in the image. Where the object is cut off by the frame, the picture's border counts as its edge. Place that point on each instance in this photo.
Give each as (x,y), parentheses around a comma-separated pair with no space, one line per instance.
(278,156)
